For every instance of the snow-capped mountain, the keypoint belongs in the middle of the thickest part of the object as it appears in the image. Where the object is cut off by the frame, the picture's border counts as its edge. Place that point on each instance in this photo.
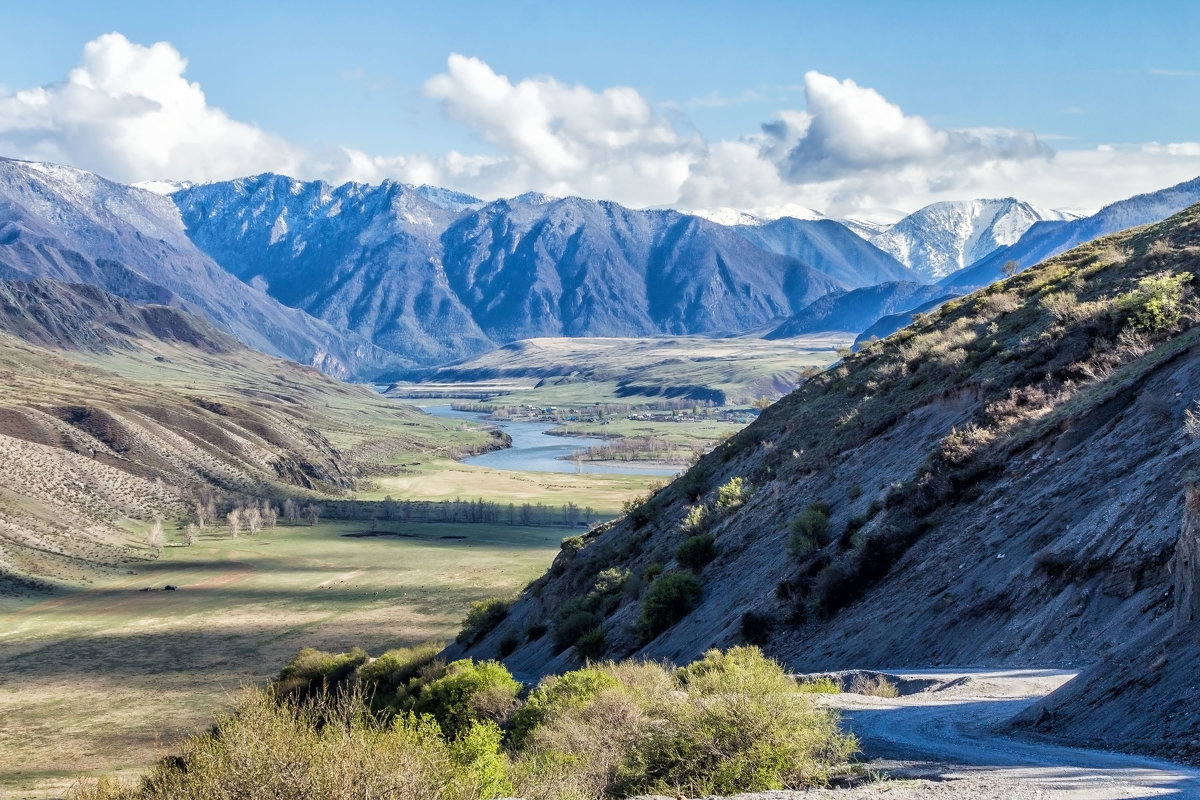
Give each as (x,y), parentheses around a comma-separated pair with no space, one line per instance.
(71,225)
(1046,239)
(945,237)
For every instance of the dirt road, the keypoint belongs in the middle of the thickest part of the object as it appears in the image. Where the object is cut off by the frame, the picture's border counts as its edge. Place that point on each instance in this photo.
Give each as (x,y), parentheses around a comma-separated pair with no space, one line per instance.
(946,733)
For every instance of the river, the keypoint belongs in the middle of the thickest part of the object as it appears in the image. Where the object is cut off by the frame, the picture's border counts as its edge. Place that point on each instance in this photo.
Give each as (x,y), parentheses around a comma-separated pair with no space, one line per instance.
(534,450)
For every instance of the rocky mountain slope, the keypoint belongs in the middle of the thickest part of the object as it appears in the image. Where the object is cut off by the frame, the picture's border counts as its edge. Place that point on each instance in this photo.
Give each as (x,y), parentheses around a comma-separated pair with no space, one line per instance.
(998,483)
(945,237)
(111,413)
(70,225)
(1049,238)
(441,276)
(858,310)
(831,247)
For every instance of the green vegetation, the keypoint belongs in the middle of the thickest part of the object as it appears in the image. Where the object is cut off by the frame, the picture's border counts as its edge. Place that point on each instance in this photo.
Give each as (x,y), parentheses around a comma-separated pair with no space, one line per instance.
(482,619)
(730,722)
(666,601)
(733,494)
(697,551)
(809,531)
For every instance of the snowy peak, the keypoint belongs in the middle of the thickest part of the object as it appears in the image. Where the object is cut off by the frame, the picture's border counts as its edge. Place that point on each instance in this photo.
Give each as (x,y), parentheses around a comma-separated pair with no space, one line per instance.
(945,237)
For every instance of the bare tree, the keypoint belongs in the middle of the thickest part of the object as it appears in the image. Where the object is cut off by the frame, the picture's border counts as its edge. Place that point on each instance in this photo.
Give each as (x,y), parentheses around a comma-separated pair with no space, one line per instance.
(252,518)
(312,513)
(291,510)
(1010,268)
(155,537)
(270,515)
(190,534)
(234,518)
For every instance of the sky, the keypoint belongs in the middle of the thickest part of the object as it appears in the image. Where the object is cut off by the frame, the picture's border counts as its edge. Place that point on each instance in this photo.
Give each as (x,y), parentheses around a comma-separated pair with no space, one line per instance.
(870,109)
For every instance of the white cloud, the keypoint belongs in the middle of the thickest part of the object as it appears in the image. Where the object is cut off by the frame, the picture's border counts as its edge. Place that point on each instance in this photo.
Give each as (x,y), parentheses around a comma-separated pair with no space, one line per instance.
(128,112)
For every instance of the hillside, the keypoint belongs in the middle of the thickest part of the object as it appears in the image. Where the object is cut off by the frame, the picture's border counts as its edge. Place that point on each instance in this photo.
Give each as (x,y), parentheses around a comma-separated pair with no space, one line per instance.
(1049,238)
(997,484)
(111,414)
(74,226)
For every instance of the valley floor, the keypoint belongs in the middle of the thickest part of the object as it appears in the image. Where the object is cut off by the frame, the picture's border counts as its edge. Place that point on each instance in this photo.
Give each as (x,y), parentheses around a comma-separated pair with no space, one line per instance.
(111,677)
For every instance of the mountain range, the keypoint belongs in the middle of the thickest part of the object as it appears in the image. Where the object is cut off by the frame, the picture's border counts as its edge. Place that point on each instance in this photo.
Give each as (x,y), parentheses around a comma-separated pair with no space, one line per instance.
(370,281)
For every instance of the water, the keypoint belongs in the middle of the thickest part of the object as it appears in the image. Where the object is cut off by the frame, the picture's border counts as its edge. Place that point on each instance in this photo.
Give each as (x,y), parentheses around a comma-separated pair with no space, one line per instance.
(534,450)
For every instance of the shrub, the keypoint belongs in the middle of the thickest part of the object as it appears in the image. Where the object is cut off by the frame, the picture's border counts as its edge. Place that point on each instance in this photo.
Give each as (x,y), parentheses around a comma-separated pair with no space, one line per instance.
(384,679)
(667,601)
(590,646)
(483,617)
(313,672)
(572,544)
(652,571)
(468,693)
(1158,301)
(697,551)
(743,728)
(535,631)
(606,590)
(288,750)
(696,520)
(809,530)
(571,622)
(821,685)
(874,685)
(553,696)
(733,494)
(509,643)
(756,627)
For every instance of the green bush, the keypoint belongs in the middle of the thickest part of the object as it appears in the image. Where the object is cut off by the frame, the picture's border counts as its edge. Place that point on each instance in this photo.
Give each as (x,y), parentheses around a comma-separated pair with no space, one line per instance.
(697,551)
(508,643)
(313,672)
(571,622)
(482,619)
(290,751)
(756,627)
(606,590)
(667,601)
(696,520)
(810,530)
(385,678)
(651,571)
(553,696)
(469,692)
(573,544)
(733,494)
(1158,301)
(590,646)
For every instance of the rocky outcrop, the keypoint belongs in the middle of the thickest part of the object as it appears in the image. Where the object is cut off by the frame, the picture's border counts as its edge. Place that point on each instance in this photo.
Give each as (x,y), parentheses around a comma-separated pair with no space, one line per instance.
(1186,566)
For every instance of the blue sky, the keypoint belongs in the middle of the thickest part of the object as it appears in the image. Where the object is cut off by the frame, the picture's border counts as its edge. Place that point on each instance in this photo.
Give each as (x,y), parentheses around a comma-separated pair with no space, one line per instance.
(1096,85)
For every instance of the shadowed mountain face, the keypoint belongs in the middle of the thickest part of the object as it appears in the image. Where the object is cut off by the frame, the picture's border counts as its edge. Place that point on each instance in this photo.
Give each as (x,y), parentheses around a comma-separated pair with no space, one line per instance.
(858,310)
(575,267)
(441,276)
(832,248)
(1046,239)
(71,225)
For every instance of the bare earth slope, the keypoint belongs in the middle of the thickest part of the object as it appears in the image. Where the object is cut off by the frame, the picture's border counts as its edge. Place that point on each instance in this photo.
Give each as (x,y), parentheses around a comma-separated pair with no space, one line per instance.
(111,414)
(1003,481)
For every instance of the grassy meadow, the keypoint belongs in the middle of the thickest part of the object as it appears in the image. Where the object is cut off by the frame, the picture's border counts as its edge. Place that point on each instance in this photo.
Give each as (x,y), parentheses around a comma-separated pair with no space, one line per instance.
(109,678)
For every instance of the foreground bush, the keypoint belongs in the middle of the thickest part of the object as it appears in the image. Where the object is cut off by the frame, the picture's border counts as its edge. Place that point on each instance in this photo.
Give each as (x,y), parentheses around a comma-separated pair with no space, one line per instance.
(731,722)
(328,749)
(728,723)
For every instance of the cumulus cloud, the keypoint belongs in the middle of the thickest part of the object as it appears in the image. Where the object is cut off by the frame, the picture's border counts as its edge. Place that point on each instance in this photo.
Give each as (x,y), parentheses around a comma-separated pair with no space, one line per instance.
(128,111)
